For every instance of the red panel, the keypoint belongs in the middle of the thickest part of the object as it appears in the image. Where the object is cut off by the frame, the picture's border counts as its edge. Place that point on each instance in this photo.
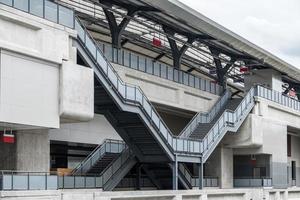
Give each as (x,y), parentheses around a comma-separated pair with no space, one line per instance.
(156,42)
(244,69)
(8,138)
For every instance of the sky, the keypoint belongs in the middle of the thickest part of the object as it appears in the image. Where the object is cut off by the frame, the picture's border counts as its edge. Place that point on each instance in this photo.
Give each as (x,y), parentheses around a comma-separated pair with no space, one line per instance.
(271,24)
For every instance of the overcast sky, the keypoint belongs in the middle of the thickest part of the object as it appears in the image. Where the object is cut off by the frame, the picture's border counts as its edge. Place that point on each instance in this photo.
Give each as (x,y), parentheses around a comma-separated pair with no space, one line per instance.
(272,24)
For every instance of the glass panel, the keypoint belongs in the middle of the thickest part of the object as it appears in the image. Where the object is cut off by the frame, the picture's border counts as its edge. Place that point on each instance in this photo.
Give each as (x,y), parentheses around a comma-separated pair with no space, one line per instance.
(21,4)
(37,182)
(66,17)
(7,2)
(6,182)
(197,83)
(156,69)
(121,88)
(52,182)
(163,70)
(164,131)
(108,52)
(115,55)
(126,58)
(80,31)
(90,182)
(37,7)
(142,63)
(155,118)
(149,67)
(113,77)
(20,182)
(51,11)
(176,75)
(101,61)
(191,80)
(91,46)
(130,93)
(147,107)
(79,182)
(139,96)
(134,61)
(185,79)
(170,73)
(69,181)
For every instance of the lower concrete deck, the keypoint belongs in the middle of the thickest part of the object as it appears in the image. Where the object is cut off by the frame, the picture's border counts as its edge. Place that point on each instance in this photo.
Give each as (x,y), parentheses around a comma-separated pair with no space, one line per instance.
(209,194)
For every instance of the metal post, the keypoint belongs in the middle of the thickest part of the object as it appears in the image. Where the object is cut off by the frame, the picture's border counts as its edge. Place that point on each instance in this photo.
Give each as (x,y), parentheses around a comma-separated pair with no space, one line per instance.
(175,174)
(138,177)
(200,174)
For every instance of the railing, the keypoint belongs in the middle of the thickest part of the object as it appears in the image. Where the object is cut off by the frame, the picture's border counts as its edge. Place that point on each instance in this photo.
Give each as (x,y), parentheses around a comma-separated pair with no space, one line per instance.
(227,119)
(108,146)
(115,166)
(44,9)
(201,117)
(278,97)
(147,65)
(131,183)
(252,182)
(194,180)
(13,180)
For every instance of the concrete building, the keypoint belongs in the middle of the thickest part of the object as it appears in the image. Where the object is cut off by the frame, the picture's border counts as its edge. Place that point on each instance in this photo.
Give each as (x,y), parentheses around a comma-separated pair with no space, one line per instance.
(141,95)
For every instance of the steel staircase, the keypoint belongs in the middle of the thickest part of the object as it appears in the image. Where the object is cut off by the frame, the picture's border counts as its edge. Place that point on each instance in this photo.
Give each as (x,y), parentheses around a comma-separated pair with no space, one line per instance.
(100,158)
(135,119)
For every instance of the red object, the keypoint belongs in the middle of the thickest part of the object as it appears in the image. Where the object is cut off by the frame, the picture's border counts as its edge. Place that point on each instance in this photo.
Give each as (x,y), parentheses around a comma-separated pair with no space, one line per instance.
(8,138)
(292,93)
(156,42)
(244,69)
(253,162)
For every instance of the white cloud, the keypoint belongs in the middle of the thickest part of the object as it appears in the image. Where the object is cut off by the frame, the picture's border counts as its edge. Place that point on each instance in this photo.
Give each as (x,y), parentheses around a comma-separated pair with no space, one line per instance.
(272,24)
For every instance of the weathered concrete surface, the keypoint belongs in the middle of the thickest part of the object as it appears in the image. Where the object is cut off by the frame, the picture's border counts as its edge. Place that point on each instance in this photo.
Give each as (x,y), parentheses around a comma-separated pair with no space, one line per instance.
(211,194)
(168,93)
(76,92)
(30,152)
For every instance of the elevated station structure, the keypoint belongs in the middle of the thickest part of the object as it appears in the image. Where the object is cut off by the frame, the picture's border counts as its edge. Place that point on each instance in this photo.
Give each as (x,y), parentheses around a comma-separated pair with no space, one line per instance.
(140,94)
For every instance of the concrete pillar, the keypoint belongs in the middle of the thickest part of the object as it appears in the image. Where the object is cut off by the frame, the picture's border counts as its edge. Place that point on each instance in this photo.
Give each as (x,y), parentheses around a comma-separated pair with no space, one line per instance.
(226,177)
(30,152)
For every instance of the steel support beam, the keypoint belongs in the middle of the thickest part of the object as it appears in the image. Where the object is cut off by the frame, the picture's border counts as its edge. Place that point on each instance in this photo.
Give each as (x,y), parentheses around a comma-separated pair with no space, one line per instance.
(175,174)
(200,167)
(221,71)
(116,29)
(138,176)
(177,52)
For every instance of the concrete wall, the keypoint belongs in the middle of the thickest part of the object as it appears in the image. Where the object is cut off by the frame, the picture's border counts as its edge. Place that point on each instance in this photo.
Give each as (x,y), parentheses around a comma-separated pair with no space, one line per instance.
(295,156)
(267,77)
(210,194)
(29,91)
(30,152)
(92,132)
(168,93)
(76,92)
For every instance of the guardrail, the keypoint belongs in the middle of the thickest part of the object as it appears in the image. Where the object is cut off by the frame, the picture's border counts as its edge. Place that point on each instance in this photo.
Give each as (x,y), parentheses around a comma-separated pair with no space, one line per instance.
(252,182)
(108,146)
(45,9)
(202,117)
(147,65)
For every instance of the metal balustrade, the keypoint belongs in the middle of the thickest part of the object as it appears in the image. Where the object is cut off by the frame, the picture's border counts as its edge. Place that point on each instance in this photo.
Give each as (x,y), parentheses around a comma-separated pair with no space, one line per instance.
(45,9)
(147,65)
(252,182)
(194,180)
(202,117)
(108,146)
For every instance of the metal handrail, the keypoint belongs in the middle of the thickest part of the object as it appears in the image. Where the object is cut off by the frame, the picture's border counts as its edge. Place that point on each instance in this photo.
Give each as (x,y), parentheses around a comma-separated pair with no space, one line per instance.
(209,116)
(96,150)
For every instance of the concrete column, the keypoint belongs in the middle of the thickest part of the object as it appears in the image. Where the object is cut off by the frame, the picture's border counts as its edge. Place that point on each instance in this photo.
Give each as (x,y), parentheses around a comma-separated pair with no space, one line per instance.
(30,152)
(33,150)
(226,177)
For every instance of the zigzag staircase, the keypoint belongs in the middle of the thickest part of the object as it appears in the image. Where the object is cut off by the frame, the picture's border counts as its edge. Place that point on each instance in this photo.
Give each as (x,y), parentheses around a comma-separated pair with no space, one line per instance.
(140,126)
